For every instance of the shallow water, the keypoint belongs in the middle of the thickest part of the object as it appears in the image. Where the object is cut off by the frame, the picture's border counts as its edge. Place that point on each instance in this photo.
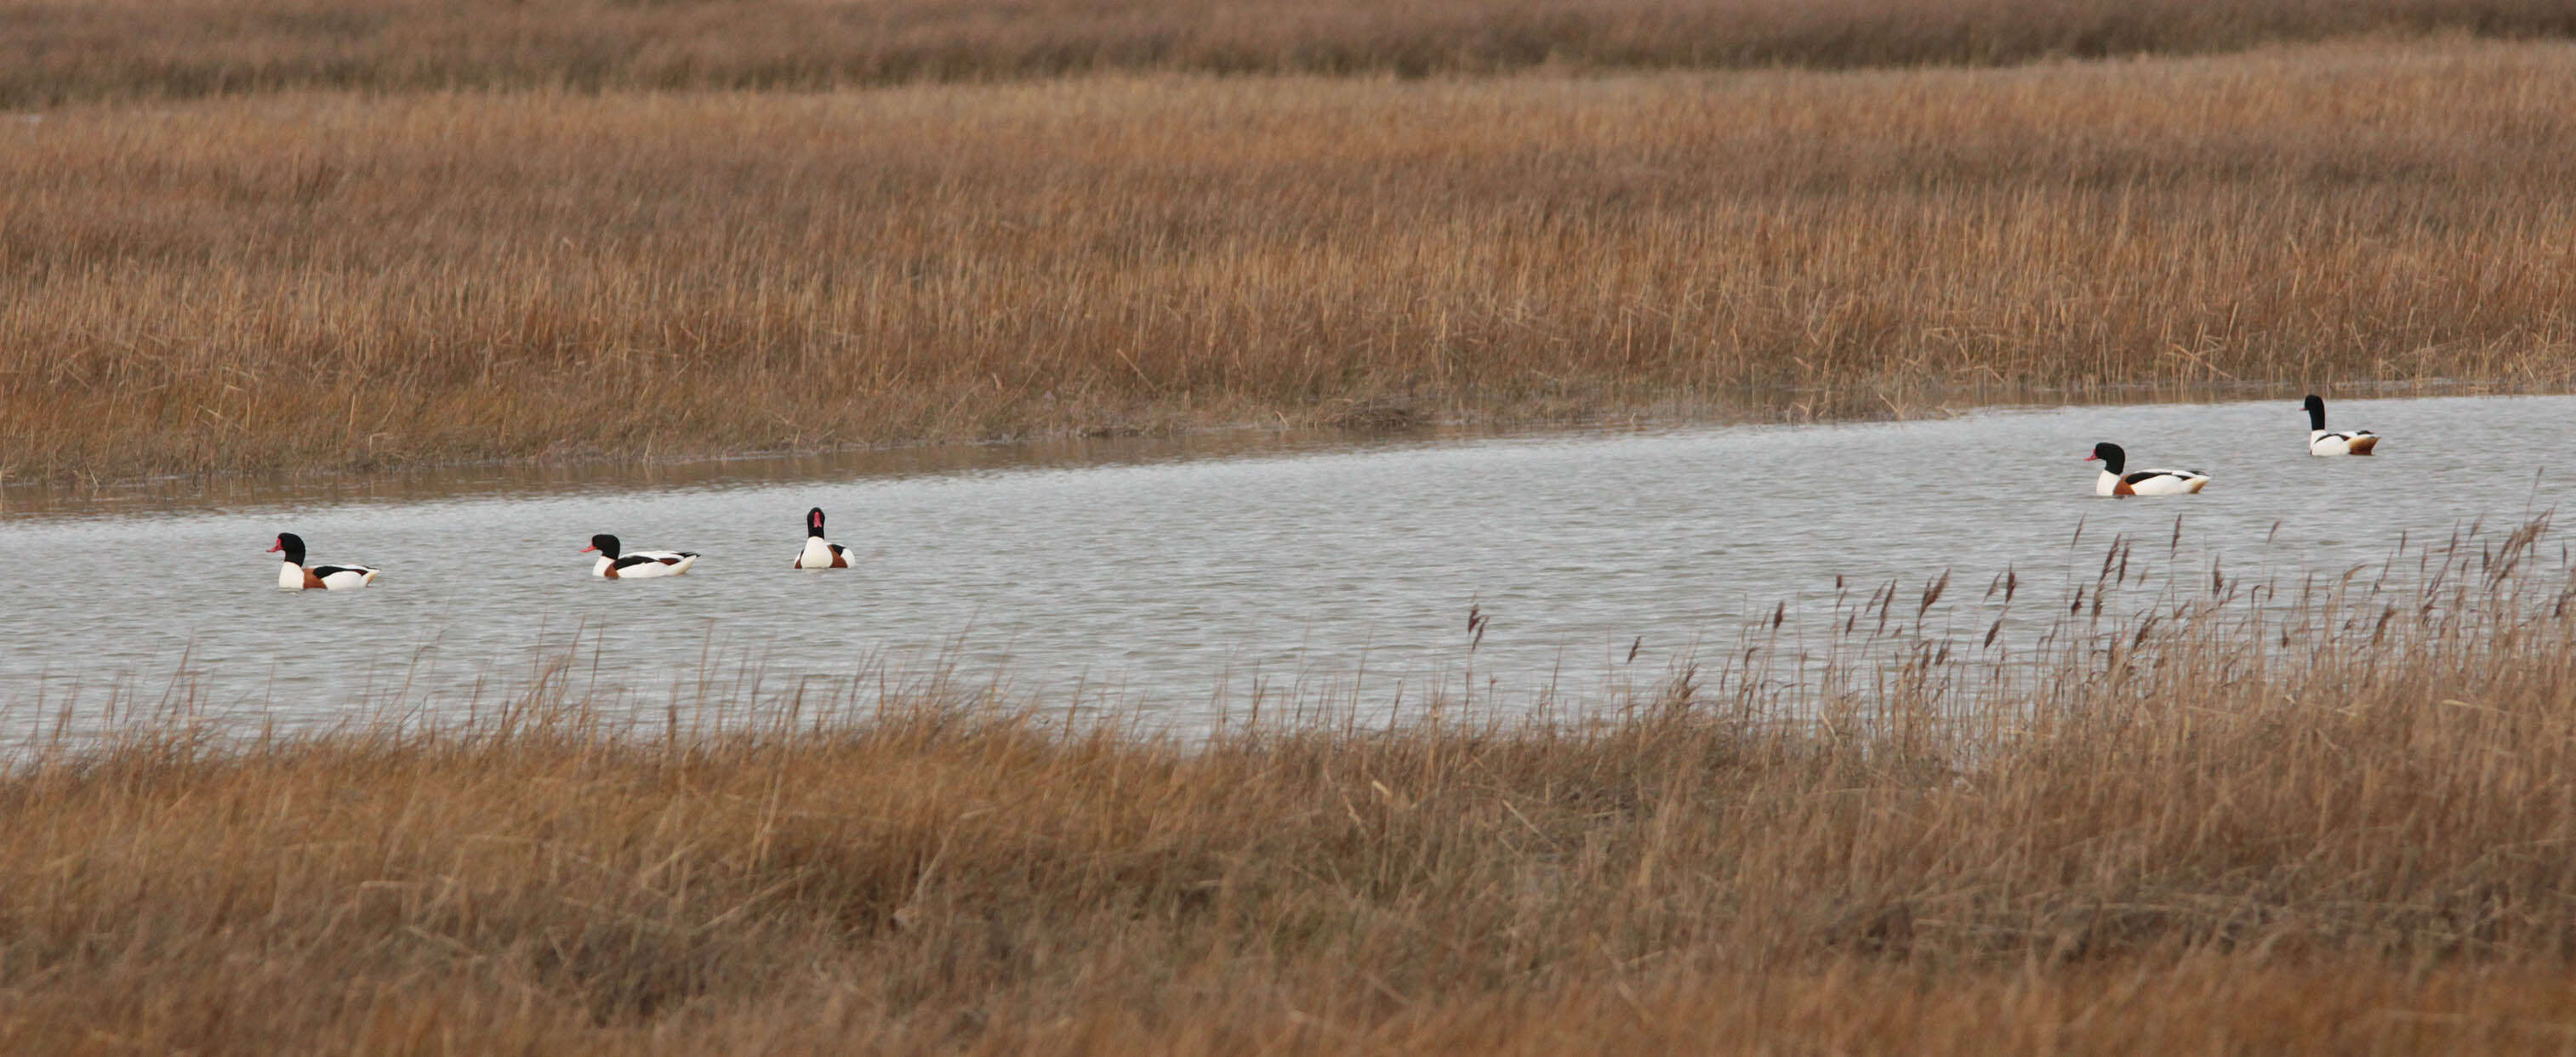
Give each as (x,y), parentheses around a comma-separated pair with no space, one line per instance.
(1175,577)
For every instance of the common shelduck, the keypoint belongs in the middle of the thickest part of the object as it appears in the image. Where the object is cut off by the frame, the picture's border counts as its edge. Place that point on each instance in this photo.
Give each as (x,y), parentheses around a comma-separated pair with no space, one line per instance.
(2140,482)
(2321,442)
(294,575)
(641,564)
(820,553)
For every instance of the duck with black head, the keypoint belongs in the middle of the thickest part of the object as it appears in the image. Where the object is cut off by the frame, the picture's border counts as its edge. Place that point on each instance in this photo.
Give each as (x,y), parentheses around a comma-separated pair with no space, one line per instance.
(294,575)
(820,553)
(617,563)
(2118,480)
(2323,441)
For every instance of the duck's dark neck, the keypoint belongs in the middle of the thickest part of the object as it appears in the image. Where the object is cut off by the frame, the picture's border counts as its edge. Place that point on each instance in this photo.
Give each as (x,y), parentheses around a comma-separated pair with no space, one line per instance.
(2115,462)
(294,553)
(2316,416)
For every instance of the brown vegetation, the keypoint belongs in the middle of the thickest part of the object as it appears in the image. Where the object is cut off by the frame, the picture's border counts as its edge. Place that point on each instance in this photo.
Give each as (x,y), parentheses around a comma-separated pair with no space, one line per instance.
(2325,815)
(53,51)
(305,280)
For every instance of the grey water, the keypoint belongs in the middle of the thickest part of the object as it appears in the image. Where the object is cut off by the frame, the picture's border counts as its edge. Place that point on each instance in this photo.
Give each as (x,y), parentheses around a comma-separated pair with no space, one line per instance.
(1176,578)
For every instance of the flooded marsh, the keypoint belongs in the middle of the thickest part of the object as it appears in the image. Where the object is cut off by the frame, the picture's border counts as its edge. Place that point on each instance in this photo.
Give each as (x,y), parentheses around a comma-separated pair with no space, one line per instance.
(1184,586)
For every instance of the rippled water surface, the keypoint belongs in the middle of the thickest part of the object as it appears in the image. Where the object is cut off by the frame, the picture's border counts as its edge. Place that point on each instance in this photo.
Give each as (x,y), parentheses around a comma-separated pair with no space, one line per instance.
(1176,575)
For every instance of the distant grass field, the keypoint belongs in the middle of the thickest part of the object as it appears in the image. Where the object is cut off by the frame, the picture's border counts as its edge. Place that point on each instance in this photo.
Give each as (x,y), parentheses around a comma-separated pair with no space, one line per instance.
(2322,814)
(328,280)
(53,51)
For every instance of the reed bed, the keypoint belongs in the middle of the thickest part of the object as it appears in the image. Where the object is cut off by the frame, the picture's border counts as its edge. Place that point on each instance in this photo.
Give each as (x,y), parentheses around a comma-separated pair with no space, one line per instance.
(315,281)
(52,51)
(2316,812)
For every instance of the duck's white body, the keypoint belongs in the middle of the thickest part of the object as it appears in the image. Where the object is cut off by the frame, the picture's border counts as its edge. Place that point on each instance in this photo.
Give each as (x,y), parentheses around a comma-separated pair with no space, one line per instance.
(616,563)
(644,565)
(2323,441)
(2150,482)
(294,575)
(820,553)
(2327,442)
(2118,480)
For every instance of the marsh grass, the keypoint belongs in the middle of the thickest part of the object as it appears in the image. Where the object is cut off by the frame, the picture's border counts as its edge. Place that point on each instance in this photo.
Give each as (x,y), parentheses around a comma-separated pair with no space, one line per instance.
(313,281)
(53,51)
(2304,813)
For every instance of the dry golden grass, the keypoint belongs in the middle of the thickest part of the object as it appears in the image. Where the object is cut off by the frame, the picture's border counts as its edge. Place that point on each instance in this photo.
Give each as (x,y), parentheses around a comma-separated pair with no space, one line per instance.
(57,50)
(325,280)
(2325,815)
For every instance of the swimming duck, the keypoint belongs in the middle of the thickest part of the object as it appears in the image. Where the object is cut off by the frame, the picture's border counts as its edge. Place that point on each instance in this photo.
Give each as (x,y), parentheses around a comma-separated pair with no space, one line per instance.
(294,575)
(2321,442)
(2140,482)
(641,564)
(820,553)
